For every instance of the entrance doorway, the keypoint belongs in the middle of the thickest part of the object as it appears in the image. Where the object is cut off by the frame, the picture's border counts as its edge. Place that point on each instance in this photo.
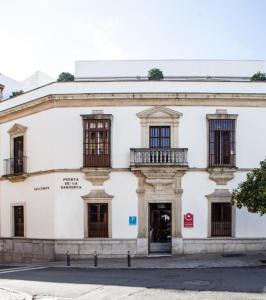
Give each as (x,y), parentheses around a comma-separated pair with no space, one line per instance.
(160,225)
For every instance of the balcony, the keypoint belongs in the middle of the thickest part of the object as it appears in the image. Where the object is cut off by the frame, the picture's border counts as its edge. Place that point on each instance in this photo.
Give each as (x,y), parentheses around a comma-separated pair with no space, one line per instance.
(158,157)
(15,166)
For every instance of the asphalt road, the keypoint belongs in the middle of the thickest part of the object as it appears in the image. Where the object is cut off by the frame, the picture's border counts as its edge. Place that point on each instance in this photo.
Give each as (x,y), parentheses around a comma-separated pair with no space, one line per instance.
(74,283)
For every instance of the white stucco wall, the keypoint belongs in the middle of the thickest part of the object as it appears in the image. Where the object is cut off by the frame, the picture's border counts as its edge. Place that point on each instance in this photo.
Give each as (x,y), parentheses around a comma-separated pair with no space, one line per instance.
(39,206)
(146,86)
(54,137)
(170,67)
(54,141)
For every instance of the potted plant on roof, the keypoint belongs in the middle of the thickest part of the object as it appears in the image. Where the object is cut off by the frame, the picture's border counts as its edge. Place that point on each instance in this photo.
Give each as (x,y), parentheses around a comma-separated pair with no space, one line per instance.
(155,74)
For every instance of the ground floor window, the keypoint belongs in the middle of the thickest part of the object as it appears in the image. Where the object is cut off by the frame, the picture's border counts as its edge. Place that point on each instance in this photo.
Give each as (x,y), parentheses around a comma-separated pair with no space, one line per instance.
(98,220)
(221,219)
(18,220)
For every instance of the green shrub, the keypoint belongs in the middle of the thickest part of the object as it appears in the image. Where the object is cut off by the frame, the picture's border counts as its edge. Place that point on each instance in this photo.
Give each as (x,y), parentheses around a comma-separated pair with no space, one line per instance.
(155,74)
(65,76)
(259,76)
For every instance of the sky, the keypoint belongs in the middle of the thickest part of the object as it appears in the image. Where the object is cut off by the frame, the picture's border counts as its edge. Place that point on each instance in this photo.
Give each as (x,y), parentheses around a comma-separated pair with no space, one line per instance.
(50,35)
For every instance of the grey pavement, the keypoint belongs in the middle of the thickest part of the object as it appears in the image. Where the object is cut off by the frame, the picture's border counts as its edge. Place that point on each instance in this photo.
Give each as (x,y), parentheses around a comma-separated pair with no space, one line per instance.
(216,260)
(173,262)
(80,283)
(201,276)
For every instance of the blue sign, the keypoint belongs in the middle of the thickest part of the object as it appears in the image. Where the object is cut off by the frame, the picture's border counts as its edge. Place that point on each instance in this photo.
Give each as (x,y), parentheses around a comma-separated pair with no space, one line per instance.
(132,220)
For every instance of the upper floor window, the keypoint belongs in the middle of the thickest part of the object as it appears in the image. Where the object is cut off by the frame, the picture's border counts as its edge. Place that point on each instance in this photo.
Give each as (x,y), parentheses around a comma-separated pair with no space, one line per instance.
(160,137)
(16,163)
(96,142)
(18,153)
(221,142)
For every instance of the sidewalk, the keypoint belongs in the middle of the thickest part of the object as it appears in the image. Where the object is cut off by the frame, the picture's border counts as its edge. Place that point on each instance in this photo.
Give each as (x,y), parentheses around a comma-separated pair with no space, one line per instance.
(251,259)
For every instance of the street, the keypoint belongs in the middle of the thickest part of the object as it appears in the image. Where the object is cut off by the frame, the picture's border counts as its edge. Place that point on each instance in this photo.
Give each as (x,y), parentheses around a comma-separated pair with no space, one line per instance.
(81,283)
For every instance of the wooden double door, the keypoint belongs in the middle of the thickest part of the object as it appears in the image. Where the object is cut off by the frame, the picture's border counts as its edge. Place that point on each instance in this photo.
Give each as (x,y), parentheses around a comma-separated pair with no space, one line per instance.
(98,220)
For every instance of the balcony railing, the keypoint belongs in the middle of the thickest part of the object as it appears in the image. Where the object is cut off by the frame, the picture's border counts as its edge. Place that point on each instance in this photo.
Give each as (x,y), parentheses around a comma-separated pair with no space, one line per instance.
(15,166)
(158,156)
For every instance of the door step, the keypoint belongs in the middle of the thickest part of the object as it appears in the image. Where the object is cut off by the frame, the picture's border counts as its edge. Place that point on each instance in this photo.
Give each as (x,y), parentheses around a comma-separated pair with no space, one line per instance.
(159,255)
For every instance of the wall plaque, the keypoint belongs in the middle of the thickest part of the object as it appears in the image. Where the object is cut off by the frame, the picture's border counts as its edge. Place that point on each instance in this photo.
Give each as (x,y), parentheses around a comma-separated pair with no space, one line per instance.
(70,183)
(188,220)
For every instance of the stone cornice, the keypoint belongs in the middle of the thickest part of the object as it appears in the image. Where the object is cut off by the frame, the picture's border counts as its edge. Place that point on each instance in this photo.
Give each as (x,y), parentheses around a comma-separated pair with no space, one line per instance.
(132,99)
(78,170)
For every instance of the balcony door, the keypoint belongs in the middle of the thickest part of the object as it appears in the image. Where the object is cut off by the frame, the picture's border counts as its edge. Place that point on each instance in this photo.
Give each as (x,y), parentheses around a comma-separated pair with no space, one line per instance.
(160,137)
(18,151)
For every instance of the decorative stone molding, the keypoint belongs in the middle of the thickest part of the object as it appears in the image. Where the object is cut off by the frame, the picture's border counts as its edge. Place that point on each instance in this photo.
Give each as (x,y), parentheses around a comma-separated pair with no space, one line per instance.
(17,129)
(132,99)
(17,178)
(163,179)
(96,176)
(159,116)
(223,195)
(221,114)
(97,196)
(158,185)
(220,195)
(221,175)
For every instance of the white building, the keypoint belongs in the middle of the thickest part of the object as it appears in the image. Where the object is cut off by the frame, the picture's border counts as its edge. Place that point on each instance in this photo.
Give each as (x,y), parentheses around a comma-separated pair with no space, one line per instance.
(113,162)
(34,81)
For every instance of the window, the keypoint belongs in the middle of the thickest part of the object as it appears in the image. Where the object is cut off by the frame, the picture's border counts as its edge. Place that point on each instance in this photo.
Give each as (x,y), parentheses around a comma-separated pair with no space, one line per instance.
(222,143)
(221,219)
(96,142)
(18,220)
(160,137)
(18,152)
(98,220)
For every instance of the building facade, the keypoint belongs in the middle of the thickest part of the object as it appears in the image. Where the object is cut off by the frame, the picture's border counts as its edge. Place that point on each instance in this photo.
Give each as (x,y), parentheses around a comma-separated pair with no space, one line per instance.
(126,164)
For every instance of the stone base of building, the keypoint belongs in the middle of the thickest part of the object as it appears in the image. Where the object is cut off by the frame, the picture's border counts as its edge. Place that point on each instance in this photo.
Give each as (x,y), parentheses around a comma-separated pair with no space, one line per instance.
(82,249)
(26,250)
(223,245)
(43,250)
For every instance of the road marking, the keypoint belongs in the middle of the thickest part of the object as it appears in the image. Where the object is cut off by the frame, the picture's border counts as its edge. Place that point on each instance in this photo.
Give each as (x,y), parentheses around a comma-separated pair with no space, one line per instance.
(5,271)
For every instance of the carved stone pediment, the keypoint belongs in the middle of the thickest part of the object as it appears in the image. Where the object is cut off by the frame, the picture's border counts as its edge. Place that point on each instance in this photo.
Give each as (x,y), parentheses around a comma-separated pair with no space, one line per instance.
(162,180)
(159,112)
(222,195)
(97,195)
(159,116)
(17,129)
(221,175)
(96,176)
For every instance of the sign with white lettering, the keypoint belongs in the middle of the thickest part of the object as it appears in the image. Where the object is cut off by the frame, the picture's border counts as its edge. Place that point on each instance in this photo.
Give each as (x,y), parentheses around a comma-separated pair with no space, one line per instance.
(132,220)
(188,220)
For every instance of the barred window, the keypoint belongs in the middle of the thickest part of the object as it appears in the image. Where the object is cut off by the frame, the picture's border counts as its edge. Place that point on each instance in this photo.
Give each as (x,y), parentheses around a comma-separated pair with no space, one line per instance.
(96,142)
(222,143)
(221,219)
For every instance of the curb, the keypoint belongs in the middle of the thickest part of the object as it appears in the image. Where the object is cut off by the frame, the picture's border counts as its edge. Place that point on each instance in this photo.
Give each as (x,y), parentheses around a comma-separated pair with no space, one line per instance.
(9,294)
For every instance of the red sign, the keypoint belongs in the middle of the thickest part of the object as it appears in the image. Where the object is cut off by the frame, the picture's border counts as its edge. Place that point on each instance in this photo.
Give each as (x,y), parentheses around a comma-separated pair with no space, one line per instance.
(188,220)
